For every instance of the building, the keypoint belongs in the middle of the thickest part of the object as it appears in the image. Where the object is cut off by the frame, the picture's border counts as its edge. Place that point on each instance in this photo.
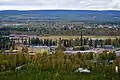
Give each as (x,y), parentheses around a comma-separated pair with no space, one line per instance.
(39,49)
(21,38)
(18,38)
(117,53)
(94,50)
(75,52)
(109,48)
(11,52)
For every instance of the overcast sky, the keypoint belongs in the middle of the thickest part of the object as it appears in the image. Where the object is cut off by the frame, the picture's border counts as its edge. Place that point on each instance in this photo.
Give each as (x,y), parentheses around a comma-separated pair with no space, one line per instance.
(60,4)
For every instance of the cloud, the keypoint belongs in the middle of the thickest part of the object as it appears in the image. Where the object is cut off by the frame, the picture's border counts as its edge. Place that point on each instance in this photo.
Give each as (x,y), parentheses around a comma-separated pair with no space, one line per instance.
(60,4)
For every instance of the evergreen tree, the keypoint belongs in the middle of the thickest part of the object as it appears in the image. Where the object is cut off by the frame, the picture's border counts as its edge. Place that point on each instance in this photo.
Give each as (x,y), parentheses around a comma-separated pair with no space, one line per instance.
(81,39)
(114,42)
(90,43)
(96,43)
(29,41)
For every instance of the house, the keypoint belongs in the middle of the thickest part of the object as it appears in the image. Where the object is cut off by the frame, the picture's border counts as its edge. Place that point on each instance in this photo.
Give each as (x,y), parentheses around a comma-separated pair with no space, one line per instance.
(98,50)
(117,53)
(109,48)
(18,38)
(21,38)
(11,52)
(69,49)
(94,50)
(39,49)
(75,52)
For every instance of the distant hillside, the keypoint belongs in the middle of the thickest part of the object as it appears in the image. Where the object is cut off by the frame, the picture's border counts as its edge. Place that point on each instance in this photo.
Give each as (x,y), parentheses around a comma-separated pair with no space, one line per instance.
(68,15)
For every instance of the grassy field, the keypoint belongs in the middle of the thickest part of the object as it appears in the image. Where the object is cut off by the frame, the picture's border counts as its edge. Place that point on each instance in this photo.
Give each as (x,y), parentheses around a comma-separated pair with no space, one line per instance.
(74,37)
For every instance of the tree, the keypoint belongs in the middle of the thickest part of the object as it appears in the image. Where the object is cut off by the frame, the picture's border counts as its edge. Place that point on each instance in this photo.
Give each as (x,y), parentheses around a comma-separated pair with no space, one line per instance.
(96,43)
(90,43)
(25,42)
(2,50)
(11,49)
(25,49)
(114,42)
(29,41)
(50,42)
(85,41)
(81,39)
(112,56)
(77,42)
(101,43)
(119,40)
(90,56)
(109,41)
(103,56)
(82,48)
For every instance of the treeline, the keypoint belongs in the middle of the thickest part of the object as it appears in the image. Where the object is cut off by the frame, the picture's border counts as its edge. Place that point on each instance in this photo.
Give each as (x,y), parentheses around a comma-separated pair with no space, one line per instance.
(6,43)
(40,42)
(11,61)
(62,30)
(62,64)
(4,33)
(76,42)
(91,43)
(20,28)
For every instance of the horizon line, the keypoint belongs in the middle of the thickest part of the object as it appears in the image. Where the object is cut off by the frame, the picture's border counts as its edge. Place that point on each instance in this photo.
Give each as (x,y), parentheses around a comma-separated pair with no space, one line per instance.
(60,10)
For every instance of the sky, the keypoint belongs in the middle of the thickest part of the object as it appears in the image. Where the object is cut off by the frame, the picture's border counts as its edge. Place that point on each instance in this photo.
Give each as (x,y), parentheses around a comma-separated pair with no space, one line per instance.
(59,4)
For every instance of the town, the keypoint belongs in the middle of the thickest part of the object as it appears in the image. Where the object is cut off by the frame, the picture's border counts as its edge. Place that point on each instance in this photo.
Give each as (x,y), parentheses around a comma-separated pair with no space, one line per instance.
(31,49)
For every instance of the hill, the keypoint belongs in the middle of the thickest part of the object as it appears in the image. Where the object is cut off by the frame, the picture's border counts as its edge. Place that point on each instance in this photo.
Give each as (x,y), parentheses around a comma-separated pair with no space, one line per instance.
(60,15)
